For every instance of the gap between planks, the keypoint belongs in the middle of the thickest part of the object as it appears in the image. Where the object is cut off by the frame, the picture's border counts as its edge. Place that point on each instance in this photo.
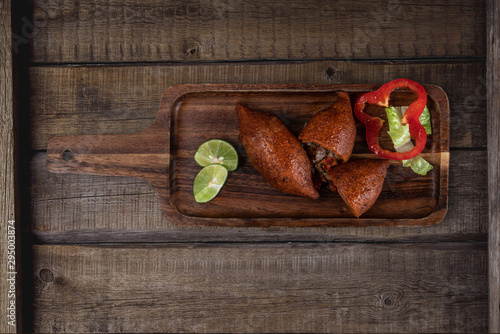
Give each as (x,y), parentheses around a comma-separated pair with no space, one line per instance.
(284,61)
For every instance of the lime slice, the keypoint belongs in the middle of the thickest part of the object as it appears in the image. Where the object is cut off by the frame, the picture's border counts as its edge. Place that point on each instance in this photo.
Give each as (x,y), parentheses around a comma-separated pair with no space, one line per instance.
(217,152)
(208,182)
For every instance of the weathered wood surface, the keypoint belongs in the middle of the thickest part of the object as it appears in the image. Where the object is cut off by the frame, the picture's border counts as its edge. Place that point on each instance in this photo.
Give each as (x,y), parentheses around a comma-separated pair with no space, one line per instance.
(125,99)
(363,287)
(355,288)
(79,208)
(9,280)
(493,83)
(137,31)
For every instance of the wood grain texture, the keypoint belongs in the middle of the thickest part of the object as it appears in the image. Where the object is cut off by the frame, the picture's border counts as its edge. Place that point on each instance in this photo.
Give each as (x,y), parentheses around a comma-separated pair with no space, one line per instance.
(83,208)
(355,288)
(493,83)
(136,31)
(124,99)
(237,287)
(8,192)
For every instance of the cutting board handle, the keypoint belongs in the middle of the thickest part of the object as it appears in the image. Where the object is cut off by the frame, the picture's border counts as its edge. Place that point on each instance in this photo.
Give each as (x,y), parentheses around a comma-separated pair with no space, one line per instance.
(143,154)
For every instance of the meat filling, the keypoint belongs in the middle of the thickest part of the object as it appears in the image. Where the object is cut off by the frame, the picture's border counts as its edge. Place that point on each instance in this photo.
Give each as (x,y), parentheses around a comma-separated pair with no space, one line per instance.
(322,160)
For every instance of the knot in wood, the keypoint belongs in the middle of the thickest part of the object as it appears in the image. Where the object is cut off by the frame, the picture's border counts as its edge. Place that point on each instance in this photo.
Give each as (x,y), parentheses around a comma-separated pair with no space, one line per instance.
(387,301)
(334,74)
(46,275)
(191,49)
(67,155)
(393,300)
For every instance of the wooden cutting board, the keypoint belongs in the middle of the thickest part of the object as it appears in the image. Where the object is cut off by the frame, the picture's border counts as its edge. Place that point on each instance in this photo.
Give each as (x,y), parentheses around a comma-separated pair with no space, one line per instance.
(191,114)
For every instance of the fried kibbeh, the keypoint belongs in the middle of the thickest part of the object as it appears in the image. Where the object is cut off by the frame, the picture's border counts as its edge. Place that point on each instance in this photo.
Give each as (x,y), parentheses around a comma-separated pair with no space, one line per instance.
(329,136)
(275,152)
(359,182)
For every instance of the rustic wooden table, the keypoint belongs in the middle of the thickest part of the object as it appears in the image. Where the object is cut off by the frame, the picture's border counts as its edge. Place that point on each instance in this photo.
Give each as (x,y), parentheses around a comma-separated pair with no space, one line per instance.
(95,254)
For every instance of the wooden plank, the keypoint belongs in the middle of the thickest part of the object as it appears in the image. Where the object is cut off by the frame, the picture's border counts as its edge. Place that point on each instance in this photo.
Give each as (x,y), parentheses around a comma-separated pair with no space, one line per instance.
(493,107)
(438,287)
(9,241)
(125,99)
(82,208)
(135,31)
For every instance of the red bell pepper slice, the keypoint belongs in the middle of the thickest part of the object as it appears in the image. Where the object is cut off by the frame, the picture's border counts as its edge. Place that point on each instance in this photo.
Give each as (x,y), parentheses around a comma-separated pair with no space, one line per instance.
(374,125)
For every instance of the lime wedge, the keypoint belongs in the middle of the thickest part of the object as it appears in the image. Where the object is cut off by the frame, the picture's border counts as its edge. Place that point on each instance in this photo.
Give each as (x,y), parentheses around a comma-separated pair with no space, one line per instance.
(217,152)
(208,182)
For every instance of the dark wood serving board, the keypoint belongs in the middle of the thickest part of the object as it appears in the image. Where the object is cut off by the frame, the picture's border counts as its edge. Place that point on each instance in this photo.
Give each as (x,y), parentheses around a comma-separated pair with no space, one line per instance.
(191,114)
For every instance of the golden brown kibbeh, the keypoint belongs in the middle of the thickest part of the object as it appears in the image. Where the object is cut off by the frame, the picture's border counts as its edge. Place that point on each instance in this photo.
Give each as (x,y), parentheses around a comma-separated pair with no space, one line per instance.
(275,152)
(330,134)
(359,182)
